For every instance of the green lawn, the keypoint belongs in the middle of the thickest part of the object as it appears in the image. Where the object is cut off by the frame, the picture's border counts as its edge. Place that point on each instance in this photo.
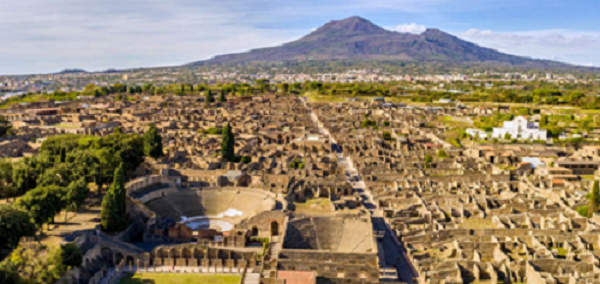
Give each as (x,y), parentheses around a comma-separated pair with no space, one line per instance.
(180,278)
(588,177)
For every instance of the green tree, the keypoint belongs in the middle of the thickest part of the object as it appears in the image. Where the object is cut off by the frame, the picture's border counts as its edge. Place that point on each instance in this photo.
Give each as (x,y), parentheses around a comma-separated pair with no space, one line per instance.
(543,121)
(6,179)
(441,153)
(71,255)
(14,224)
(42,203)
(37,264)
(208,98)
(428,160)
(63,155)
(594,202)
(285,88)
(114,205)
(153,143)
(228,144)
(77,193)
(222,97)
(5,127)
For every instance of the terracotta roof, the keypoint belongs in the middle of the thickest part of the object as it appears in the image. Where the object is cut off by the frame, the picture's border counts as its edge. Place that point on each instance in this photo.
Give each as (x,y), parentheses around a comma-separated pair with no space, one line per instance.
(298,277)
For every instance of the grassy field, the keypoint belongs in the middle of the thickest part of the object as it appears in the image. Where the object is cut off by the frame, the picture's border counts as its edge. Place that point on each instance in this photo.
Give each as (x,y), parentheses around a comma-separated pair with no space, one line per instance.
(174,278)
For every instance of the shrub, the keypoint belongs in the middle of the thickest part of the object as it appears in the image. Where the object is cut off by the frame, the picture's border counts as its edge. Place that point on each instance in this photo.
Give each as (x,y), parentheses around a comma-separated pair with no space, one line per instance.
(387,135)
(71,255)
(246,160)
(441,153)
(301,166)
(292,165)
(368,123)
(582,210)
(428,159)
(214,131)
(386,123)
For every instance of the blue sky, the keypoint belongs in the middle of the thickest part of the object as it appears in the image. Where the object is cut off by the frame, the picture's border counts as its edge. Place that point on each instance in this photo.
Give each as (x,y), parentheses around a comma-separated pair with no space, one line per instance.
(41,36)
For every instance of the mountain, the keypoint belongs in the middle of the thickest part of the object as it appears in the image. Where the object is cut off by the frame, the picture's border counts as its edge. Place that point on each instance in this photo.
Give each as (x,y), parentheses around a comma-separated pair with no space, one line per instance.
(72,71)
(358,39)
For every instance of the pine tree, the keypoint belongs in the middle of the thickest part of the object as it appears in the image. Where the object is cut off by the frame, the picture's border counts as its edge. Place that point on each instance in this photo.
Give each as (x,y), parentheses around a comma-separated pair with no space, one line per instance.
(114,205)
(153,143)
(228,144)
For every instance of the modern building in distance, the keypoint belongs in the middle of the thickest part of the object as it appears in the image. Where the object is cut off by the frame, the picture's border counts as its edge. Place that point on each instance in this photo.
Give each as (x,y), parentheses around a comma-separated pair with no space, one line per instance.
(520,128)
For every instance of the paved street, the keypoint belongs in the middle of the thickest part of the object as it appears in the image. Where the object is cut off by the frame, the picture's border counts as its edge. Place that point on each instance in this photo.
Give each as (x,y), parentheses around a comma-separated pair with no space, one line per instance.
(392,255)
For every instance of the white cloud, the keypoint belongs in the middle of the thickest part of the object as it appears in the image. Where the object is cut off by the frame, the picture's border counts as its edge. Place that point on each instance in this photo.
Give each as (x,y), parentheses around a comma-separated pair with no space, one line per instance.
(410,28)
(576,47)
(96,35)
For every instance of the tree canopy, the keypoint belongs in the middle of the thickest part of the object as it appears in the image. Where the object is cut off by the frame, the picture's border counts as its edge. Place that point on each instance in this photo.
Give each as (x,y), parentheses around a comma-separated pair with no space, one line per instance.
(14,224)
(153,143)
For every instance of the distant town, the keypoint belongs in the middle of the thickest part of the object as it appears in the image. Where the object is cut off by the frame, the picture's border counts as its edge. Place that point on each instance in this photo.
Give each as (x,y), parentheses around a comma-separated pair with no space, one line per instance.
(69,81)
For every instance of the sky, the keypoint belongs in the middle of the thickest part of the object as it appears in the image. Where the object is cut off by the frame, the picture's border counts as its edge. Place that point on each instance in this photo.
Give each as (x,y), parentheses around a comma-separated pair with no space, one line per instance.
(44,36)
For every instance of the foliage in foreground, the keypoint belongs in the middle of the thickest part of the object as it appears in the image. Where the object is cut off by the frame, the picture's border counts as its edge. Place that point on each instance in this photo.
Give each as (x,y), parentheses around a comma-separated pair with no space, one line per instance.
(38,264)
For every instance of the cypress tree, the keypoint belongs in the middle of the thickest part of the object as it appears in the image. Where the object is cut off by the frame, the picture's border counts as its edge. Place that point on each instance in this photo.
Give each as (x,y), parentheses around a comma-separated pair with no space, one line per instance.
(153,143)
(114,205)
(63,155)
(222,97)
(594,199)
(228,144)
(208,97)
(108,216)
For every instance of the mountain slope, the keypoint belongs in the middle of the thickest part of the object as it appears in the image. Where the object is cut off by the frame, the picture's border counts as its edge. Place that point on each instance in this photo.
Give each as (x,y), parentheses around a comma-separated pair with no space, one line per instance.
(358,39)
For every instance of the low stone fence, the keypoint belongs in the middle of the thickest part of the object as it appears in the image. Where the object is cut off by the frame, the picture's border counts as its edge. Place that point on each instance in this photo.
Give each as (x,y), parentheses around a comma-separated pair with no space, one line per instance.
(147,181)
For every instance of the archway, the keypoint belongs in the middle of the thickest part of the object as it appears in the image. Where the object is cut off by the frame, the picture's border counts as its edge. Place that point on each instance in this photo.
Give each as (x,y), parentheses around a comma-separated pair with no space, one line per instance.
(254,231)
(118,258)
(130,261)
(274,229)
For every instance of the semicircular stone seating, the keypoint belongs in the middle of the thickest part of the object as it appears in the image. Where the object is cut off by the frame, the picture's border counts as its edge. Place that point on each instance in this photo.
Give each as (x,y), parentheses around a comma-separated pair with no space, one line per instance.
(218,203)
